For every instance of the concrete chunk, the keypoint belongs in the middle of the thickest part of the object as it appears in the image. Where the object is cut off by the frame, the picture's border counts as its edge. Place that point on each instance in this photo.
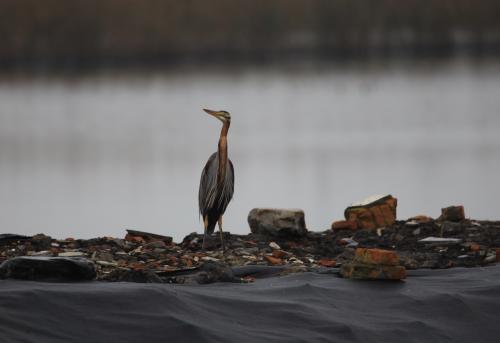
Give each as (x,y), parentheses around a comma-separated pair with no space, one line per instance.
(277,222)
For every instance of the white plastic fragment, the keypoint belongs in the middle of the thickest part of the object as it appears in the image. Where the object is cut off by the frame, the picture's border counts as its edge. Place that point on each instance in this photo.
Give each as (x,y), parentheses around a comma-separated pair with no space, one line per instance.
(72,254)
(274,245)
(442,240)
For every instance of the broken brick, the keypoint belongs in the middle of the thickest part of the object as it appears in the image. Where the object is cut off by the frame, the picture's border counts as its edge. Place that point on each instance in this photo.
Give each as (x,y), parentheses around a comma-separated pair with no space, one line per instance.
(327,262)
(453,213)
(344,225)
(273,260)
(376,256)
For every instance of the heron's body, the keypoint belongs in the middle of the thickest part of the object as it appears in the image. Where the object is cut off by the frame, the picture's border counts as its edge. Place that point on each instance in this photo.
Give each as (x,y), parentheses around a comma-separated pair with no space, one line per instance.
(217,181)
(216,190)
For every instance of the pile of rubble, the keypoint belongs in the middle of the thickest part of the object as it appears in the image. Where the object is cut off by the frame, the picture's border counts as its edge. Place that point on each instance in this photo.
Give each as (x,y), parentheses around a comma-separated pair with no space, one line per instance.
(278,238)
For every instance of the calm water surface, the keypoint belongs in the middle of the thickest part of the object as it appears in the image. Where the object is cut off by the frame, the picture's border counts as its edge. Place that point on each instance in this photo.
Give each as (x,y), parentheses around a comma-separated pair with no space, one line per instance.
(93,155)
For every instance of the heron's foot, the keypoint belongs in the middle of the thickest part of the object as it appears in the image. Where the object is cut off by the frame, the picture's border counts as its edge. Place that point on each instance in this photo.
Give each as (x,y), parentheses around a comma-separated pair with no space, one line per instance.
(210,242)
(203,244)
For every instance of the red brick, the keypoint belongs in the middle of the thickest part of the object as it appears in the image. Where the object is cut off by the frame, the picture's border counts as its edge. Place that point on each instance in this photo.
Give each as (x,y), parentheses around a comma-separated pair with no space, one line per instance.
(376,256)
(344,225)
(362,271)
(326,262)
(135,239)
(474,247)
(453,213)
(273,260)
(279,253)
(137,265)
(379,213)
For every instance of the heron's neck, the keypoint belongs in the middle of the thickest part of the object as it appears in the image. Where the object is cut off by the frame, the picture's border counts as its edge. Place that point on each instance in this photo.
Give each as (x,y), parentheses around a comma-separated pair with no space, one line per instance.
(223,151)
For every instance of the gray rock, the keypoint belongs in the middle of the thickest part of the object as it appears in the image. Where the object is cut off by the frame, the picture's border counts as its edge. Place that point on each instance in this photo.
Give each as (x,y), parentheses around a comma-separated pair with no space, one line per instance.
(491,257)
(440,240)
(277,222)
(48,269)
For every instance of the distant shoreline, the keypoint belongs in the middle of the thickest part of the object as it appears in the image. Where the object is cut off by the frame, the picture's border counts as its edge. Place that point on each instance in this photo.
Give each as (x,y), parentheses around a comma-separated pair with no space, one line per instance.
(56,35)
(303,61)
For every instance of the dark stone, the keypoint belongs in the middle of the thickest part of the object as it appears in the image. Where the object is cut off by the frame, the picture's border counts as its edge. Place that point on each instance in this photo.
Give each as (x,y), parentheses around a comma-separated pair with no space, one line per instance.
(194,241)
(150,236)
(453,213)
(131,275)
(277,222)
(450,228)
(41,242)
(258,271)
(367,238)
(48,269)
(6,238)
(215,272)
(209,272)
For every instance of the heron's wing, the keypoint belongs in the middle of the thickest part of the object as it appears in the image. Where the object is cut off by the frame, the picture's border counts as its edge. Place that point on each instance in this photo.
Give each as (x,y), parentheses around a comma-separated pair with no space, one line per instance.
(223,196)
(208,184)
(229,183)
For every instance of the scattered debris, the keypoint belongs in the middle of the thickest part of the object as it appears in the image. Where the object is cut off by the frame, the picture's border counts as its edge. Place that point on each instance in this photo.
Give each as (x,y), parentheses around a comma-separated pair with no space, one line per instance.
(419,242)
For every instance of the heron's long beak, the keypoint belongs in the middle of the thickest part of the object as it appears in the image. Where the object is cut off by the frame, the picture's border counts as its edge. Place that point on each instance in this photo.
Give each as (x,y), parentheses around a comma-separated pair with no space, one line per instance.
(213,113)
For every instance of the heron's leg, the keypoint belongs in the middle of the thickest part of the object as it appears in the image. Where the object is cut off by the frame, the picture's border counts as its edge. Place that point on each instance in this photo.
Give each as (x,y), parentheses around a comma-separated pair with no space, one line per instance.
(221,234)
(205,223)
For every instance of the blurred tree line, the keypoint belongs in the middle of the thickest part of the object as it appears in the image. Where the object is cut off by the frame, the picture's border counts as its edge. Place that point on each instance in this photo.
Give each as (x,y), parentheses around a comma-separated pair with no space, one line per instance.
(100,32)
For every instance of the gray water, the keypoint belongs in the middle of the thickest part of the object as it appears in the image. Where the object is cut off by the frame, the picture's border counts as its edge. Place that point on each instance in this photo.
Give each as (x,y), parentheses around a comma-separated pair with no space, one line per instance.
(93,155)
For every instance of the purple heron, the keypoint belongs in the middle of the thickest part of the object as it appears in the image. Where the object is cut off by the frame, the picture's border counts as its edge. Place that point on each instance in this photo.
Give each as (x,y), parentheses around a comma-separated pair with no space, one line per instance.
(217,181)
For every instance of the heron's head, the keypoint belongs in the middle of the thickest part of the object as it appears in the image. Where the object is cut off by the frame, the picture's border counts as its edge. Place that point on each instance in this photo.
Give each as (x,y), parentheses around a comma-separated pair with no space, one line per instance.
(223,116)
